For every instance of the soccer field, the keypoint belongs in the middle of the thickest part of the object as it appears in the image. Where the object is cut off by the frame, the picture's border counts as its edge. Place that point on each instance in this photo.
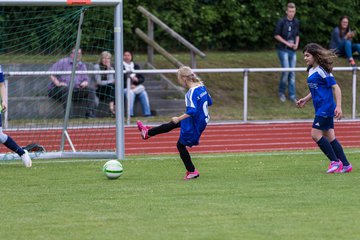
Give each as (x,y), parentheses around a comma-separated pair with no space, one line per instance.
(278,195)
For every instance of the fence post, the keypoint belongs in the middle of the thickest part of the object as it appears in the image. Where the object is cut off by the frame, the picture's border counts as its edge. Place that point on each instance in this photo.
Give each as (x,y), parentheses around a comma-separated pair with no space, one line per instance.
(150,34)
(246,78)
(354,93)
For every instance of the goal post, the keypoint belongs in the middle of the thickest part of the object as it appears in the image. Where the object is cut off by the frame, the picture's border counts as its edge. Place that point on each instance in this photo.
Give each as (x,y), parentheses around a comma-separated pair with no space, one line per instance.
(84,129)
(60,3)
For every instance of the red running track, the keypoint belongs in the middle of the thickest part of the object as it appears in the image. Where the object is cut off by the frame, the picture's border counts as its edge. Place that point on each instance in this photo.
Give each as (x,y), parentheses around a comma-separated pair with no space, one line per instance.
(227,138)
(217,138)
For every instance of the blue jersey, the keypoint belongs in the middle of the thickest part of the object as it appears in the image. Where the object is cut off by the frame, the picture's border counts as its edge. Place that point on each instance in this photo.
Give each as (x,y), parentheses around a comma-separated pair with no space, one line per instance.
(1,81)
(197,101)
(1,75)
(320,84)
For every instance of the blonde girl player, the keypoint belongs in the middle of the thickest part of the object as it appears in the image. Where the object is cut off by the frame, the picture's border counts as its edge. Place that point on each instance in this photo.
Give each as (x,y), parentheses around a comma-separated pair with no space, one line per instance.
(192,123)
(322,83)
(5,139)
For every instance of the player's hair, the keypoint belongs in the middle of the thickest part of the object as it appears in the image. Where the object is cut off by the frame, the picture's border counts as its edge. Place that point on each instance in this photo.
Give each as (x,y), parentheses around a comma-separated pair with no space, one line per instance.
(322,56)
(290,5)
(187,74)
(104,54)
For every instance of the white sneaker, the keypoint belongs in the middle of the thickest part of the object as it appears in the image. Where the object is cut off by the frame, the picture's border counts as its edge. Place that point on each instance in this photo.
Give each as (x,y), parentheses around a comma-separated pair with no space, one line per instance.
(282,97)
(26,159)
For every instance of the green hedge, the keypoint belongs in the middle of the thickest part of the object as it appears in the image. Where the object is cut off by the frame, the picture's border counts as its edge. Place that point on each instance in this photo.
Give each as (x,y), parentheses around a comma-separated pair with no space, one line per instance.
(210,24)
(239,24)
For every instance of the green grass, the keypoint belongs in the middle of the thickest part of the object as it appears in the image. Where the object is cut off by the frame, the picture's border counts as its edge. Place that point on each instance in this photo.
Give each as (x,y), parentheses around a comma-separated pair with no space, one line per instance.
(279,195)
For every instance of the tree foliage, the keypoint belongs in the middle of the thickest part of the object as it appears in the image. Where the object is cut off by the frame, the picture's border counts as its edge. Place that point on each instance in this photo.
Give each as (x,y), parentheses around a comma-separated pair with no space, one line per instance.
(208,24)
(243,24)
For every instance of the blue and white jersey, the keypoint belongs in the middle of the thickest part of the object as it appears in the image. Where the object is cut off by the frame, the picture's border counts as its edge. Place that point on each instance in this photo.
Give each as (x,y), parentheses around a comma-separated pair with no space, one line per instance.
(320,84)
(1,75)
(197,100)
(1,81)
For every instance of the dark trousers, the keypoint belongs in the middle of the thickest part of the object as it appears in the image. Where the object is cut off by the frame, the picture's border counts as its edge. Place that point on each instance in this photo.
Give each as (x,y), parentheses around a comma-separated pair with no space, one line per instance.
(106,93)
(60,94)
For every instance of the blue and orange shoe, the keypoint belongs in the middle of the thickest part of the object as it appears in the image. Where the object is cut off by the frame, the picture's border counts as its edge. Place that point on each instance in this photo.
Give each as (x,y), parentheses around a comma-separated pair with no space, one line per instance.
(192,175)
(346,169)
(143,130)
(334,167)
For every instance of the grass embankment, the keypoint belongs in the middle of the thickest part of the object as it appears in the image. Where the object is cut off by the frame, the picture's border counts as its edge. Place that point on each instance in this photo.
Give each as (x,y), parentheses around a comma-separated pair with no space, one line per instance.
(263,101)
(227,88)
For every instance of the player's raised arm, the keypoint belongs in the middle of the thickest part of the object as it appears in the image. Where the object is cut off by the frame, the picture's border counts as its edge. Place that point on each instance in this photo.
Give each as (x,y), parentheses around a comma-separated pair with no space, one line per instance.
(302,101)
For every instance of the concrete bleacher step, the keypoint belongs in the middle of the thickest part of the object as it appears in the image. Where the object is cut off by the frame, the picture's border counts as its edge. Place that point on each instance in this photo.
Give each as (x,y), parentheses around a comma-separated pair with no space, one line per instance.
(27,96)
(33,107)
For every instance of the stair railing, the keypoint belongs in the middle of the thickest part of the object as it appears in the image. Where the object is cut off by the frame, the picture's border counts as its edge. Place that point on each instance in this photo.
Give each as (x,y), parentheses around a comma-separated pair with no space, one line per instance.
(149,39)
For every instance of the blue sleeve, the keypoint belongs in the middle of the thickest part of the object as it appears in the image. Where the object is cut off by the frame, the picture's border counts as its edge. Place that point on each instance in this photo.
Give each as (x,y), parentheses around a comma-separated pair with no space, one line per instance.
(210,102)
(278,28)
(209,99)
(1,75)
(330,80)
(191,103)
(335,38)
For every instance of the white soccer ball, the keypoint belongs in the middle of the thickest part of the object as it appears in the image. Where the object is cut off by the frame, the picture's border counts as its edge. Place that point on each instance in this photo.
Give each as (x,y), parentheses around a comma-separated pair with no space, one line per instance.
(113,169)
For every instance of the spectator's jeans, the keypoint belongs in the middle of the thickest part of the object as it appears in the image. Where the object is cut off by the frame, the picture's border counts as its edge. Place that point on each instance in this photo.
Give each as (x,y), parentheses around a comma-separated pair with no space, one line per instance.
(144,100)
(287,59)
(346,47)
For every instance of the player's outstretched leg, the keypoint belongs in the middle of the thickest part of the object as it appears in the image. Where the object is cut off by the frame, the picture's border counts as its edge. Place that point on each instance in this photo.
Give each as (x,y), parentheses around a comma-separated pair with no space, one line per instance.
(147,132)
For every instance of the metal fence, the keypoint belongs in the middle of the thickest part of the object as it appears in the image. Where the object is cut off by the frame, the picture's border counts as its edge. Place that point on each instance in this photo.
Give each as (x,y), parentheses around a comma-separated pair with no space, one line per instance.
(246,72)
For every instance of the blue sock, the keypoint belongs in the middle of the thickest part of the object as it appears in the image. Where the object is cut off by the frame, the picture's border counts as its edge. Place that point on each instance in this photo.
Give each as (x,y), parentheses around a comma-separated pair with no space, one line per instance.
(327,149)
(11,144)
(339,152)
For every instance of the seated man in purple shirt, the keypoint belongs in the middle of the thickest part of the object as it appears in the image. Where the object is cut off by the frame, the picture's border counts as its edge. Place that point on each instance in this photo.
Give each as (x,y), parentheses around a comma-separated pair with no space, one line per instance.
(58,88)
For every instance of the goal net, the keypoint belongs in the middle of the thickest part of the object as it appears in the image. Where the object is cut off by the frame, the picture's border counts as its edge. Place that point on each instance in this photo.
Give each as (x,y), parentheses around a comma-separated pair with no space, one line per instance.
(34,41)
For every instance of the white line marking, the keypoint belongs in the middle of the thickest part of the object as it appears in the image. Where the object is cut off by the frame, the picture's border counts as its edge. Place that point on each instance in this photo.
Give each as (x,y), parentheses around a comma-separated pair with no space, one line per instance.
(175,156)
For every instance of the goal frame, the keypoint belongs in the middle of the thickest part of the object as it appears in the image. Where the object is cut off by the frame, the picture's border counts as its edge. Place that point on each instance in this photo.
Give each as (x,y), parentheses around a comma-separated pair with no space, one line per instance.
(119,102)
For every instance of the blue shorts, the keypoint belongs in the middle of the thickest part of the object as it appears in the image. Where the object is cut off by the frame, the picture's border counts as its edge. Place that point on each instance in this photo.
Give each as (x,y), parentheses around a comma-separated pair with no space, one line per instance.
(323,123)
